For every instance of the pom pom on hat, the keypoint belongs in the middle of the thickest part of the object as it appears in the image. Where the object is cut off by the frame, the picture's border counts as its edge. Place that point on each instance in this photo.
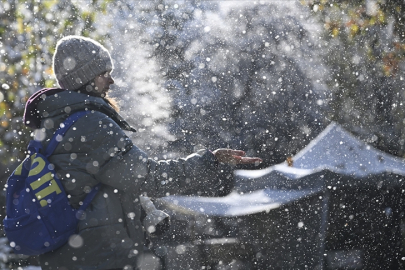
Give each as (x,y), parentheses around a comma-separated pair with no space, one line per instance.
(78,60)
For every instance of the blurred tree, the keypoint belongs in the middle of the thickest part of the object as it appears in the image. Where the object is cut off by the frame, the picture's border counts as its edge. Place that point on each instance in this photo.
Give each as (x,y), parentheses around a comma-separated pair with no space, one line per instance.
(250,83)
(364,48)
(169,27)
(29,31)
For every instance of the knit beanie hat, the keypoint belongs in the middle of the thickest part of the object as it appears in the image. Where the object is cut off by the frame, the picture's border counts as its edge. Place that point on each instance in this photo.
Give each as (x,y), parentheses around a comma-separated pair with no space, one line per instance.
(78,60)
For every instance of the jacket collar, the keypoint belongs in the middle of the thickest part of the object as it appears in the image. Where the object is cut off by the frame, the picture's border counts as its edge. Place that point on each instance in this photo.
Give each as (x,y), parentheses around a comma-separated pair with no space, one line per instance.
(51,102)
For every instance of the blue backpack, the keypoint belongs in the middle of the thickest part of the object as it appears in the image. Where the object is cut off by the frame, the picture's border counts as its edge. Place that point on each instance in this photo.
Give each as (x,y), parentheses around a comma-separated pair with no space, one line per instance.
(39,217)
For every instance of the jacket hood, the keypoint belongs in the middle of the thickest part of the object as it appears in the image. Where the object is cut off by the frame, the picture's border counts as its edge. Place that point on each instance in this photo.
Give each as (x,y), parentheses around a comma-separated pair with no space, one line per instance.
(51,102)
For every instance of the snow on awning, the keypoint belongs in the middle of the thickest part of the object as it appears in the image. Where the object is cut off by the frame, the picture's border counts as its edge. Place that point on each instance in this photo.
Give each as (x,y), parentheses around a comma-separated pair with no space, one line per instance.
(278,177)
(333,159)
(337,150)
(236,204)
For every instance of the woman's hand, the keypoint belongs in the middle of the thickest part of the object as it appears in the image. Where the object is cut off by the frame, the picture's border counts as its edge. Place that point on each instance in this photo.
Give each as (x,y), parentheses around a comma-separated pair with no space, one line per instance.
(234,157)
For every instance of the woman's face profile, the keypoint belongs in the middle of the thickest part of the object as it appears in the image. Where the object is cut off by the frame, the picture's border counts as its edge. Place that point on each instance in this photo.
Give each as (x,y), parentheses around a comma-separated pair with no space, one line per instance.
(102,83)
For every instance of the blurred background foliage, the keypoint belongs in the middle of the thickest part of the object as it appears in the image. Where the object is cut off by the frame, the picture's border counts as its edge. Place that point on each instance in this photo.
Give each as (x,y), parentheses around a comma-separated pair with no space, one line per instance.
(29,31)
(364,48)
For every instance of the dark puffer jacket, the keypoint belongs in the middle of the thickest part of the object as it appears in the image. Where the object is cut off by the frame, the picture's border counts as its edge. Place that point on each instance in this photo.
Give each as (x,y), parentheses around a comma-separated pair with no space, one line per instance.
(96,150)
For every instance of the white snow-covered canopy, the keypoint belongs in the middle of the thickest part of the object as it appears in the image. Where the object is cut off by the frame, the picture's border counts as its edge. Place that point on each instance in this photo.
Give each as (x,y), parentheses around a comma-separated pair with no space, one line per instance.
(334,158)
(337,150)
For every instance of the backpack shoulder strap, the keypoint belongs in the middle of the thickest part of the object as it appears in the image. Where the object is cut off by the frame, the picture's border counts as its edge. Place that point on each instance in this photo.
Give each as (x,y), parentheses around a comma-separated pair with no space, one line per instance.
(60,132)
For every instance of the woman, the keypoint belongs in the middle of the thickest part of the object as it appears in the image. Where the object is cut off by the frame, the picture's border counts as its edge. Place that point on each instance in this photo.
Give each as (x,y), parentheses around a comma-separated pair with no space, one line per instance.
(96,150)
